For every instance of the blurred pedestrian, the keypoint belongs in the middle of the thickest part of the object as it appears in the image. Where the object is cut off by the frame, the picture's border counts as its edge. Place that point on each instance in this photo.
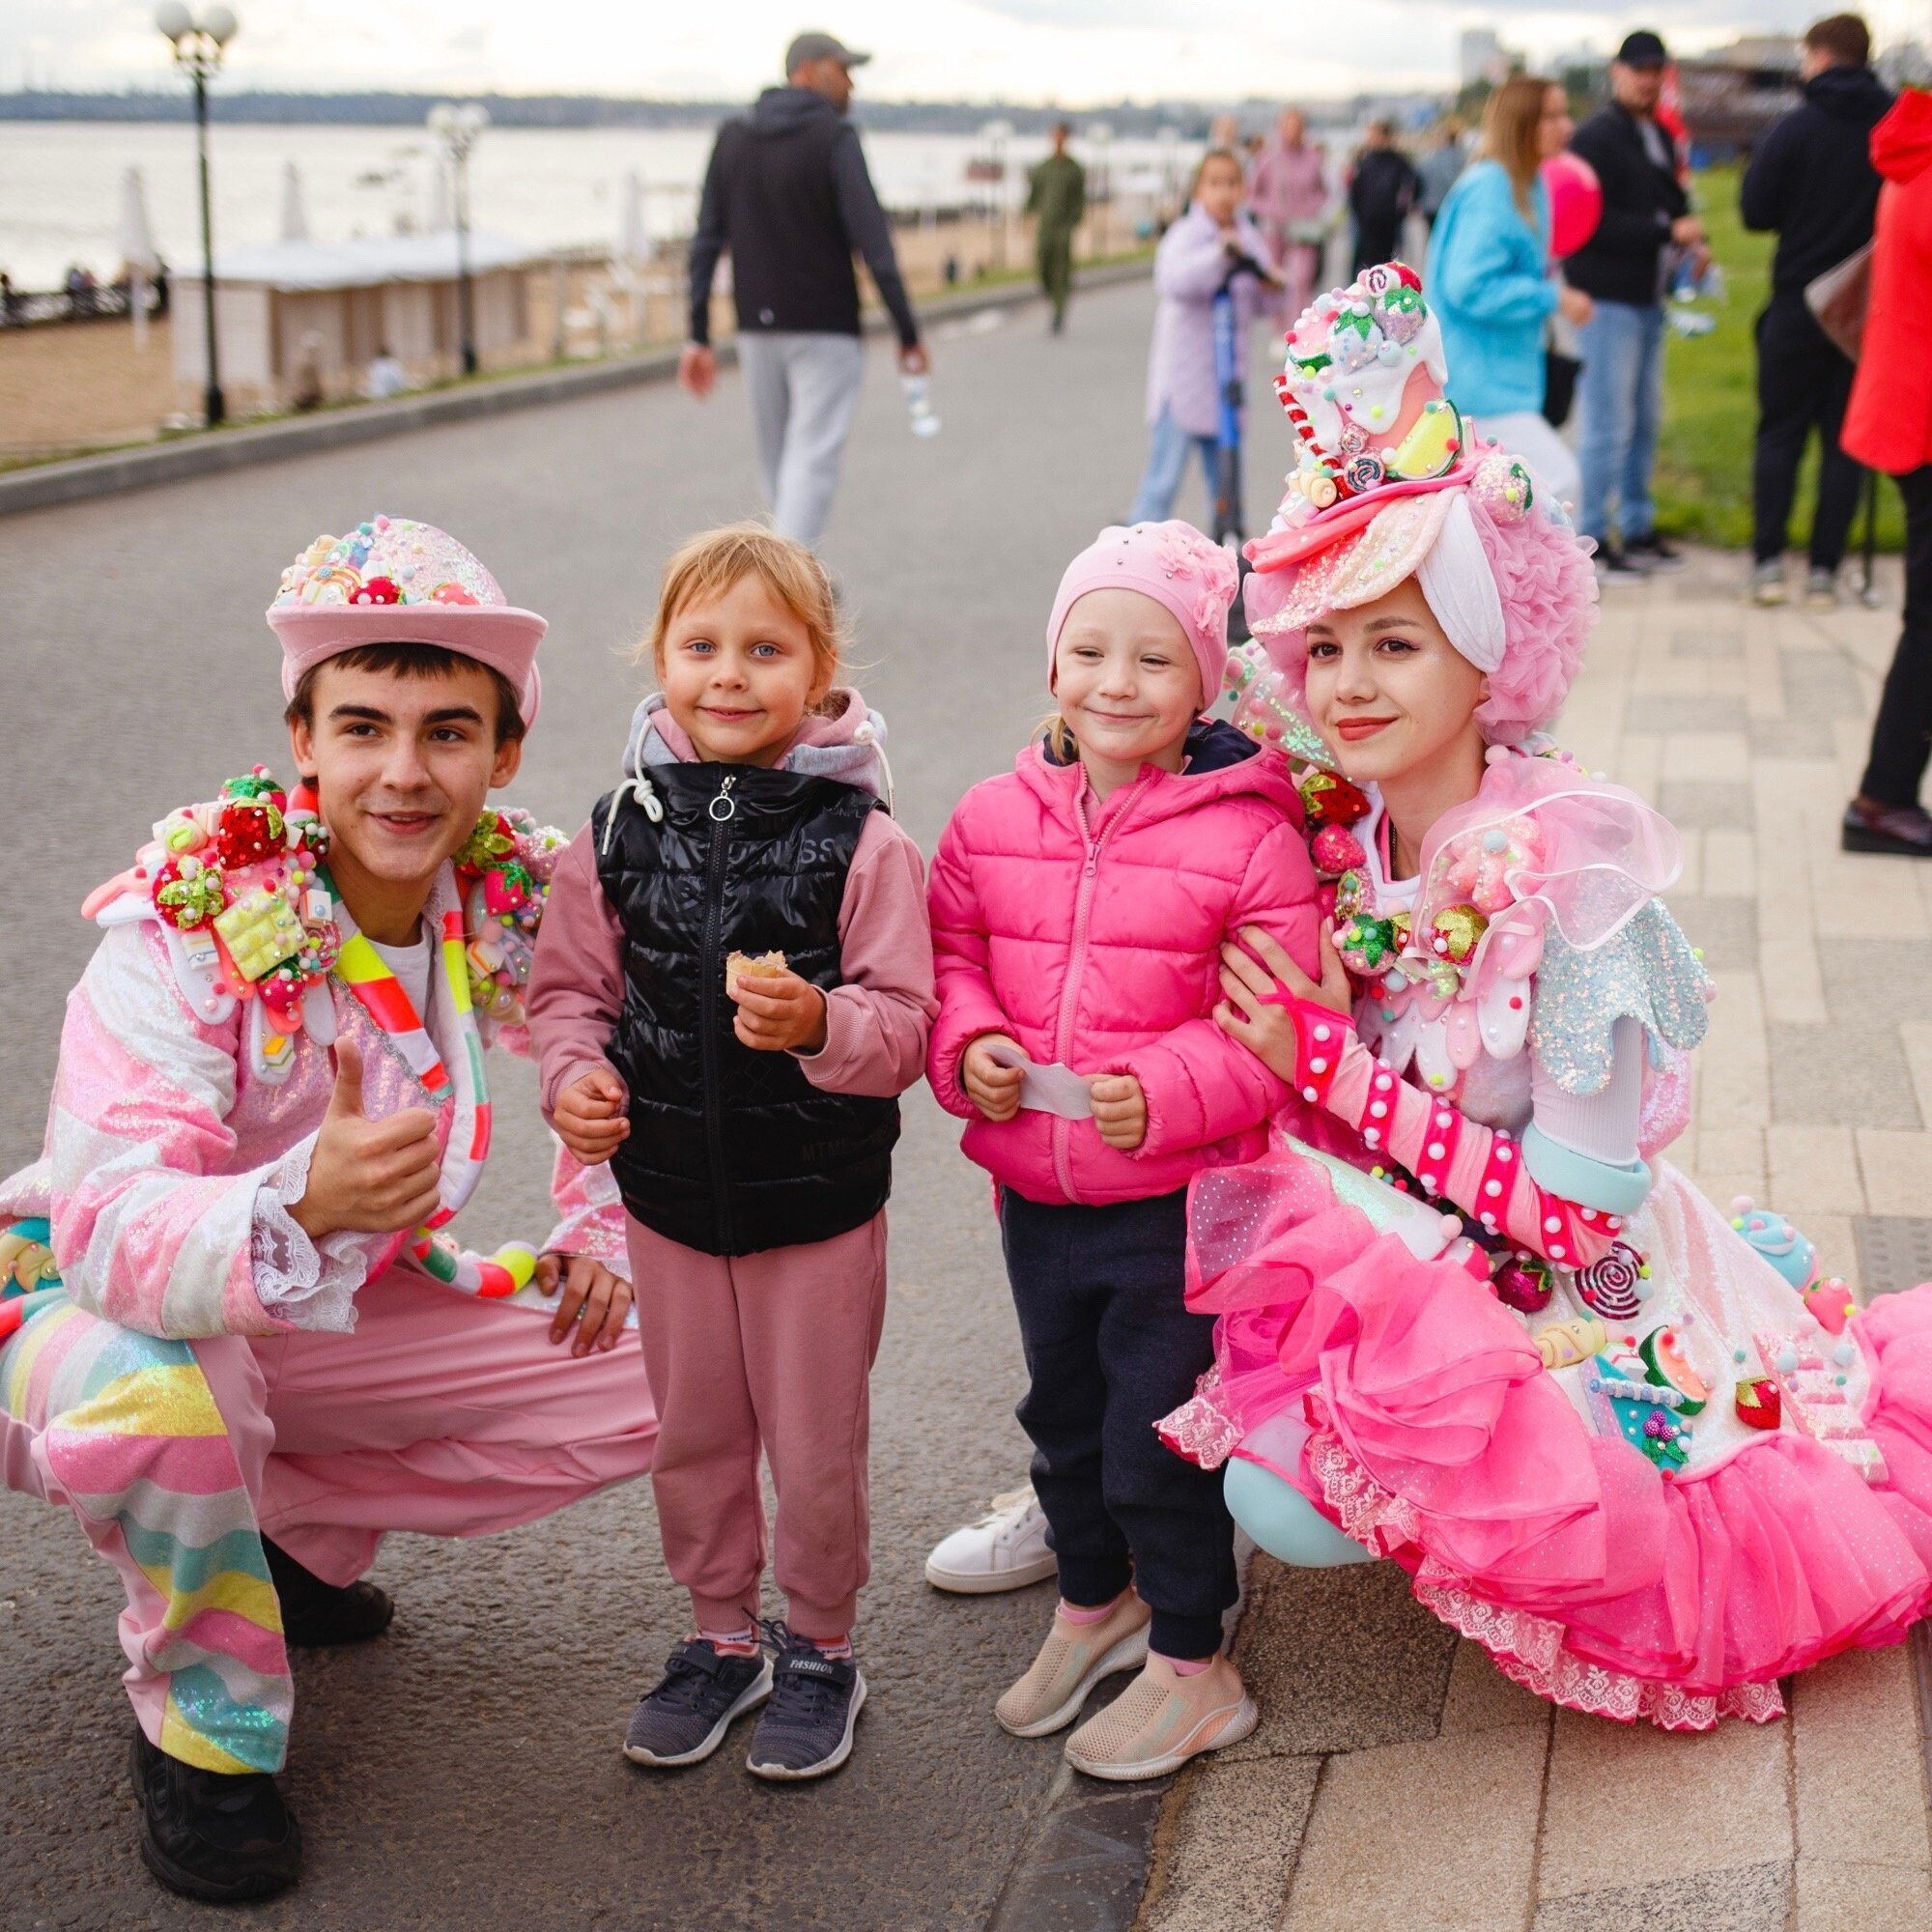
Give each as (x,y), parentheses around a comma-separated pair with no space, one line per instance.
(1382,187)
(1492,285)
(1441,167)
(1288,196)
(787,192)
(1057,200)
(1621,268)
(1212,242)
(307,386)
(1810,181)
(10,301)
(1888,426)
(387,374)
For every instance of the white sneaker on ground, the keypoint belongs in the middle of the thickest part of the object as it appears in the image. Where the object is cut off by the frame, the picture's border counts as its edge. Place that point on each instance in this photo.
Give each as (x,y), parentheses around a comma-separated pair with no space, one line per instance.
(1006,1549)
(1820,590)
(1766,588)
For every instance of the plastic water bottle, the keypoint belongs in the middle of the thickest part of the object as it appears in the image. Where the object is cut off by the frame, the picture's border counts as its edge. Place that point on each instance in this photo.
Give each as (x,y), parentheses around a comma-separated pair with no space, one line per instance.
(919,405)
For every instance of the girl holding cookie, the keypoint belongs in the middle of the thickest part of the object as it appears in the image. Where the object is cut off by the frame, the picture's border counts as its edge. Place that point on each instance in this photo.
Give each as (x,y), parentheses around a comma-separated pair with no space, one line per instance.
(1079,907)
(735,987)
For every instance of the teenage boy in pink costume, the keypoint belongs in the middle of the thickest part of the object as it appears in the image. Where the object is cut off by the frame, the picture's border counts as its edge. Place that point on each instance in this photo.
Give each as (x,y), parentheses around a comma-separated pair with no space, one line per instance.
(230,1337)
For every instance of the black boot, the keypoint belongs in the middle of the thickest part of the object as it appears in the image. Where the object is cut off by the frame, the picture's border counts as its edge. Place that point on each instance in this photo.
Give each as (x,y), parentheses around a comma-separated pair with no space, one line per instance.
(315,1615)
(216,1835)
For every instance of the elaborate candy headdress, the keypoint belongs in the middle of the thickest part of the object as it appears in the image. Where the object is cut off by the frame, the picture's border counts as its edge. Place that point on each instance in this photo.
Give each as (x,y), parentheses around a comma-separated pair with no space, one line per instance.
(1392,482)
(394,580)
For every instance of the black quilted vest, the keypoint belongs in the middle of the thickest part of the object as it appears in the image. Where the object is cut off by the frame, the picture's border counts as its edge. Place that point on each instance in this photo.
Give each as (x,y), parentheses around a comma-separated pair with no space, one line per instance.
(732,1150)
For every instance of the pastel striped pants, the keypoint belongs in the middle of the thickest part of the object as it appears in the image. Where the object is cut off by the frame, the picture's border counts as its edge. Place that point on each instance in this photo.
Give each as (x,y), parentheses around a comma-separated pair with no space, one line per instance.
(439,1415)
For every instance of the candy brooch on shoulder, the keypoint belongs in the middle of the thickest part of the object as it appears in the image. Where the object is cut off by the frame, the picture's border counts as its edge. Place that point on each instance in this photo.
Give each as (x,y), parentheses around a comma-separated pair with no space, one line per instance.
(1774,1240)
(503,871)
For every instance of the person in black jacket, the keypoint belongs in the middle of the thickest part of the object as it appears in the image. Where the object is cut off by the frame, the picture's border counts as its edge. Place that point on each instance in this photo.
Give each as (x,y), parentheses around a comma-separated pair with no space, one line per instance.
(1621,269)
(787,192)
(1381,190)
(1811,181)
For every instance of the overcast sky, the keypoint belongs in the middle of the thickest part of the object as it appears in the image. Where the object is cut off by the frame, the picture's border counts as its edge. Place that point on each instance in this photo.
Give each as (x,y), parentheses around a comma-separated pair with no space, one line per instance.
(1073,51)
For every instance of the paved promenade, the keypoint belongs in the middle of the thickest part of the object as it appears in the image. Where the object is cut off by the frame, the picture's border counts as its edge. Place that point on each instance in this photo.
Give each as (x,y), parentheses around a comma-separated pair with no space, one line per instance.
(464,1770)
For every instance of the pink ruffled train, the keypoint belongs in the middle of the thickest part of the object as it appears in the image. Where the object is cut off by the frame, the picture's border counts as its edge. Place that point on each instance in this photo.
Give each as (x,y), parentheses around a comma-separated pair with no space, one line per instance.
(1413,1409)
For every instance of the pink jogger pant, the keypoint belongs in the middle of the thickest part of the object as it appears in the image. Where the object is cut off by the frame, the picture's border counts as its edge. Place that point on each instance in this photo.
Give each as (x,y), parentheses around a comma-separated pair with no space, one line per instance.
(771,1349)
(441,1415)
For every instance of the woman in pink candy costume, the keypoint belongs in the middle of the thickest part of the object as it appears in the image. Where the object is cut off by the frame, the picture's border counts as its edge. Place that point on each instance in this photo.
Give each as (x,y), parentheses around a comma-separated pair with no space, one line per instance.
(1469,1317)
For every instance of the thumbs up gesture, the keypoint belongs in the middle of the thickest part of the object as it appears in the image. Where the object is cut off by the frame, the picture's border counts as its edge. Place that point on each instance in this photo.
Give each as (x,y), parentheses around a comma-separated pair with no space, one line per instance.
(367,1176)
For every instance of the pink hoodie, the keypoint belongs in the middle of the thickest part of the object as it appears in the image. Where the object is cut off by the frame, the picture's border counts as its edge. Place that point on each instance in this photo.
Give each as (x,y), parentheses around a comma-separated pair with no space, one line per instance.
(875,1023)
(1091,935)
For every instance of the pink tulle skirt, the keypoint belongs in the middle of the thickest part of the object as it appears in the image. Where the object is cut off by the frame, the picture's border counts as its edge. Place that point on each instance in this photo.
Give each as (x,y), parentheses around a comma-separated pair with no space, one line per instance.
(1413,1409)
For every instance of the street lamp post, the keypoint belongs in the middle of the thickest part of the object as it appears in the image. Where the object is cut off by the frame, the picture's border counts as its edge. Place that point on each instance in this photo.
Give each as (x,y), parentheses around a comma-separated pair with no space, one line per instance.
(457,128)
(198,46)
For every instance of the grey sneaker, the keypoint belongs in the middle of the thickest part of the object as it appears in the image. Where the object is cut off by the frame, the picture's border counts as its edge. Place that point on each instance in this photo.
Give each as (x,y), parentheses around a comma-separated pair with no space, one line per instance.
(684,1719)
(1615,565)
(1766,583)
(806,1730)
(1820,590)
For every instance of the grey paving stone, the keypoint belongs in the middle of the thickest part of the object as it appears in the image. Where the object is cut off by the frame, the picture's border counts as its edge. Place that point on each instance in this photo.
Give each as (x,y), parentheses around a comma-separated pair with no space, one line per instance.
(1802,735)
(1725,929)
(1676,711)
(1338,1660)
(1233,1836)
(1710,644)
(1850,1074)
(1086,1867)
(1868,982)
(1696,805)
(1821,684)
(1747,1898)
(1894,1251)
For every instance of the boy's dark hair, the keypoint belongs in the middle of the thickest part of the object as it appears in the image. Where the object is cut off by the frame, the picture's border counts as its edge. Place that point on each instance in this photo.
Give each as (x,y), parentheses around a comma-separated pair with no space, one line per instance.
(1845,37)
(409,660)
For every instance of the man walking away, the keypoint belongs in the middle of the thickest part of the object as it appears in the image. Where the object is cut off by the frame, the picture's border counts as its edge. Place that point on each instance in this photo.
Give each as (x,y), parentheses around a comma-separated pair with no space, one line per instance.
(1381,191)
(1288,196)
(1057,199)
(1888,426)
(788,194)
(1812,182)
(1621,389)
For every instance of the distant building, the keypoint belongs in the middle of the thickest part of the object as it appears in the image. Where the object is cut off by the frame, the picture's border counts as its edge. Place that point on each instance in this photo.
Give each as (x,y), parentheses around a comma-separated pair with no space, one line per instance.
(1483,57)
(1730,96)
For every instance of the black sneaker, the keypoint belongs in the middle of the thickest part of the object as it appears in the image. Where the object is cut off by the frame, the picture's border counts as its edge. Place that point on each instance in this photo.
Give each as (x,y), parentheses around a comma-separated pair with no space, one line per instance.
(318,1615)
(1901,829)
(216,1836)
(1652,552)
(684,1720)
(1615,565)
(807,1728)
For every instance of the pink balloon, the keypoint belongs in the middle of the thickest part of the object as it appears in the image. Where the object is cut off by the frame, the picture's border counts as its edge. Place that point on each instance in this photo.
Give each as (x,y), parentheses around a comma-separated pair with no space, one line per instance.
(1575,202)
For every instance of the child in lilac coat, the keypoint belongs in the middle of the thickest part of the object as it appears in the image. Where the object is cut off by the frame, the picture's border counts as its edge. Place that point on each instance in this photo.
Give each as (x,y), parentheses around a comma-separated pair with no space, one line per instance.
(1079,904)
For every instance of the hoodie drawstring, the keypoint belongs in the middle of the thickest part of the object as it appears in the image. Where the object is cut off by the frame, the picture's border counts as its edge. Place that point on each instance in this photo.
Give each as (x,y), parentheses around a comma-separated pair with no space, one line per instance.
(864,734)
(639,788)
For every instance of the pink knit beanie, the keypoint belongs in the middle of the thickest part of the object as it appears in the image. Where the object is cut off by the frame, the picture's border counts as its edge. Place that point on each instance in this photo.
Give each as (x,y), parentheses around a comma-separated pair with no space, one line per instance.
(1174,565)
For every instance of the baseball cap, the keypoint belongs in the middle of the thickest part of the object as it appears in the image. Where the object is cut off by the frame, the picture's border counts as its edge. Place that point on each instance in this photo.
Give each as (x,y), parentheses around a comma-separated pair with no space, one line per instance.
(1643,48)
(808,47)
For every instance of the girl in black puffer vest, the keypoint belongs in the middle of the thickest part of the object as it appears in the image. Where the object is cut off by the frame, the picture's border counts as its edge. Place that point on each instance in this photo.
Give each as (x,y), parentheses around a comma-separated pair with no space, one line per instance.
(734,985)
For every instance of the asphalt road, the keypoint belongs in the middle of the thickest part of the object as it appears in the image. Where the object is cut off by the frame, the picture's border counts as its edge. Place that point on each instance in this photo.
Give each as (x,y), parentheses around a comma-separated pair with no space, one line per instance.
(464,1770)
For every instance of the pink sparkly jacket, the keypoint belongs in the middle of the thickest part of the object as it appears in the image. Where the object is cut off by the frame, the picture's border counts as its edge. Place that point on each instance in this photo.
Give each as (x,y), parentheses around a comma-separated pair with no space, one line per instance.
(169,1167)
(1091,934)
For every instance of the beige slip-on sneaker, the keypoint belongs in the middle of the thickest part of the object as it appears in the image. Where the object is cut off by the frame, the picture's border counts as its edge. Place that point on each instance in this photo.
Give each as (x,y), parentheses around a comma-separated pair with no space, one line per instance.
(1161,1719)
(1073,1658)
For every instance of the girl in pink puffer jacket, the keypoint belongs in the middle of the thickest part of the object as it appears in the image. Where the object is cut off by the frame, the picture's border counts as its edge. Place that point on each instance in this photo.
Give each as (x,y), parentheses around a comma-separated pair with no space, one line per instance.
(1079,904)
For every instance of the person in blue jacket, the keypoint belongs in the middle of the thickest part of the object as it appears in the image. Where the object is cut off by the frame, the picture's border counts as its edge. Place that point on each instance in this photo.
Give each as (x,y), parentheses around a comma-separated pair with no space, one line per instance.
(1492,285)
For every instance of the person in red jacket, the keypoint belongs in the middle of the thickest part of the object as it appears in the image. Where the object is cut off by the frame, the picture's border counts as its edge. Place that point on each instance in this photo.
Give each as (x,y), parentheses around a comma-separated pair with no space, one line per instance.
(1888,427)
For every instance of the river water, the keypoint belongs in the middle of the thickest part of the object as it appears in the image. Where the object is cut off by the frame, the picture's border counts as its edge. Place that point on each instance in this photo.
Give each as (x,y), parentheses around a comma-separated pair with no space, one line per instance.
(60,182)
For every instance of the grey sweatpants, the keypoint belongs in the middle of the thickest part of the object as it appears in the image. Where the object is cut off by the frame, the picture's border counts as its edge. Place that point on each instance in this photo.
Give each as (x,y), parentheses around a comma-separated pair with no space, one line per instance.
(803,388)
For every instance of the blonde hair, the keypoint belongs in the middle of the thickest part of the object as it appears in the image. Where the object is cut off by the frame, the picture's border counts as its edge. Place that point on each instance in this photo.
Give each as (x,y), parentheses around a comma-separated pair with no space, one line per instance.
(711,562)
(1511,119)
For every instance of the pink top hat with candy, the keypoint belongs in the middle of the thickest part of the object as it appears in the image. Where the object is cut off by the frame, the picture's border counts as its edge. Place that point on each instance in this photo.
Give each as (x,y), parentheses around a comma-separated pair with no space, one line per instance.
(394,580)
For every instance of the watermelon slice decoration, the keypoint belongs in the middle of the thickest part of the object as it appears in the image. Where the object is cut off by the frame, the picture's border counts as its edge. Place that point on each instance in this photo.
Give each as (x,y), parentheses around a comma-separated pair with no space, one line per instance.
(1666,1365)
(1758,1403)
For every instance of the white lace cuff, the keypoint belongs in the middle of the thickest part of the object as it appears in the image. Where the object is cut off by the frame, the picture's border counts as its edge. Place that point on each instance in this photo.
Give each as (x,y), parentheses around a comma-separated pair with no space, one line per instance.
(307,1283)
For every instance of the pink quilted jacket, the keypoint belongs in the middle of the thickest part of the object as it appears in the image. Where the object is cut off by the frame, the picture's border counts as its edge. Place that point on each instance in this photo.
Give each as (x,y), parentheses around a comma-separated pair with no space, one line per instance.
(1092,934)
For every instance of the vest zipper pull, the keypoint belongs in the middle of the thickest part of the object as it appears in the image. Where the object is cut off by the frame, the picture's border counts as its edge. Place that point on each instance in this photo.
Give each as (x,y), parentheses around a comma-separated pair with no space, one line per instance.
(725,800)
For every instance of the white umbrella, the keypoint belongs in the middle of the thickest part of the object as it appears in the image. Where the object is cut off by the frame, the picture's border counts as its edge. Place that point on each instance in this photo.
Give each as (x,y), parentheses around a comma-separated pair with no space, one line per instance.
(295,216)
(136,241)
(634,242)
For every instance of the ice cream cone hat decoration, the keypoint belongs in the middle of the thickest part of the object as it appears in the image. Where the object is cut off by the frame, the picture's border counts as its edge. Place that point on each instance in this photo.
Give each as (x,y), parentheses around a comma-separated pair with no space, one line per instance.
(1363,387)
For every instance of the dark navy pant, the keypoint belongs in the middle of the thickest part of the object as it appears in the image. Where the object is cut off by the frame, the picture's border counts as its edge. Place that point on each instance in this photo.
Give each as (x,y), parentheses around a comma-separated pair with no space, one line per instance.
(1110,1349)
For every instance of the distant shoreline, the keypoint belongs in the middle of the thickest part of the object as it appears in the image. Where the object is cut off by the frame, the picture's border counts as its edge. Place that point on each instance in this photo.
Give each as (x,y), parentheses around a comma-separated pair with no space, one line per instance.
(1126,120)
